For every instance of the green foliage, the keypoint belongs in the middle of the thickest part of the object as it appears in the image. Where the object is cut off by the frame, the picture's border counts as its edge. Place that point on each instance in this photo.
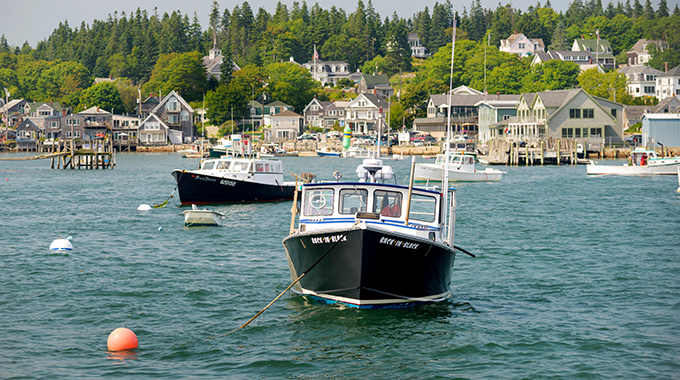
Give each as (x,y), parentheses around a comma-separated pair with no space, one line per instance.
(183,73)
(104,95)
(611,85)
(290,84)
(552,75)
(63,83)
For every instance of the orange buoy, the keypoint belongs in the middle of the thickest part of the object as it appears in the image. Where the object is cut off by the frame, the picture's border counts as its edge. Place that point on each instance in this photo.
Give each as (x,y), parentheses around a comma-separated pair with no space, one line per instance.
(121,339)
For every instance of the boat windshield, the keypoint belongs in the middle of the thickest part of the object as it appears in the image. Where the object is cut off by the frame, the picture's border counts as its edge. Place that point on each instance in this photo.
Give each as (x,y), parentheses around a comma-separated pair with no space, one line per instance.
(319,202)
(353,201)
(387,203)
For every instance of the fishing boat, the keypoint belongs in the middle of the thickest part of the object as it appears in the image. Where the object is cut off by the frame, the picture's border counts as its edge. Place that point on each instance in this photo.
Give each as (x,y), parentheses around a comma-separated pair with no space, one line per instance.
(642,162)
(371,244)
(461,169)
(233,180)
(202,217)
(328,152)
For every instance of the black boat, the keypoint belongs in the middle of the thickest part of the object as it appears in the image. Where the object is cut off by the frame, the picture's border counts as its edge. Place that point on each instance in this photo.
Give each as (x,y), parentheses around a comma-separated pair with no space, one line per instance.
(233,180)
(372,245)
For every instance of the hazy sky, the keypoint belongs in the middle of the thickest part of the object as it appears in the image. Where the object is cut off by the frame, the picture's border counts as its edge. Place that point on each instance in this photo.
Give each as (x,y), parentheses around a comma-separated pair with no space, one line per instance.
(34,20)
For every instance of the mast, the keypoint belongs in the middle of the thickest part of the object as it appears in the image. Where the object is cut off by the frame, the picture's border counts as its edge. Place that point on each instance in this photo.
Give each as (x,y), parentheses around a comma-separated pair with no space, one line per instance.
(445,168)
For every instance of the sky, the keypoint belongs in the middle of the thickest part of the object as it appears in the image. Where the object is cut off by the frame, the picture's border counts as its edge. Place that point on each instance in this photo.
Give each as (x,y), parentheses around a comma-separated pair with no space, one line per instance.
(34,20)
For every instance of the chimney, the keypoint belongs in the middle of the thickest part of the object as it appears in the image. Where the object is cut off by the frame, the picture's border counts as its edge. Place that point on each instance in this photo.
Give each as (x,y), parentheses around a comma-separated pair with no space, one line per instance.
(666,66)
(63,112)
(97,108)
(498,94)
(375,91)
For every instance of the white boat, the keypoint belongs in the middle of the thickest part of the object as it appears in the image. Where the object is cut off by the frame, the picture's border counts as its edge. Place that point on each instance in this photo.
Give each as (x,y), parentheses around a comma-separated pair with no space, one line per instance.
(328,152)
(642,162)
(358,151)
(196,217)
(461,169)
(369,244)
(678,179)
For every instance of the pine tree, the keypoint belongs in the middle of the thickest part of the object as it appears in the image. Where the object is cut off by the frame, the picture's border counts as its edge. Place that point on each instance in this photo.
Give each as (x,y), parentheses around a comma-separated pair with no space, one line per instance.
(477,29)
(638,11)
(662,11)
(649,10)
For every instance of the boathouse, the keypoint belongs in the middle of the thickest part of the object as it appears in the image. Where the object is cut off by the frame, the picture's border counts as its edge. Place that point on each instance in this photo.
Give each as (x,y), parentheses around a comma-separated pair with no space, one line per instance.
(661,129)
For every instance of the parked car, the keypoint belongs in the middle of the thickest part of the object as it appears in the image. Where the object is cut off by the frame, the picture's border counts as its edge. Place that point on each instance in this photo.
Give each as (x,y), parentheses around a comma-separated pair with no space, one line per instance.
(389,140)
(634,140)
(423,140)
(306,137)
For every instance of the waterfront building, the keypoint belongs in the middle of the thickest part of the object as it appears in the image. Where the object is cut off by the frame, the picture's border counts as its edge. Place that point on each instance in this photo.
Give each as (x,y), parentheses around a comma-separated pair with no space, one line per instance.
(661,128)
(286,125)
(566,114)
(362,113)
(492,111)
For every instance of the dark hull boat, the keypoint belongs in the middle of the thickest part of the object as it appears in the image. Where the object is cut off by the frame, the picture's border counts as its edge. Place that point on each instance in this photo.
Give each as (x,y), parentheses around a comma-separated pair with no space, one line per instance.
(372,245)
(371,268)
(233,180)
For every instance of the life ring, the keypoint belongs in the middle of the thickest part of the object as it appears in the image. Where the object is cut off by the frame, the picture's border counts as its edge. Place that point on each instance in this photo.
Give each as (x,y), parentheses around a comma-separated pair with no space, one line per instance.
(318,201)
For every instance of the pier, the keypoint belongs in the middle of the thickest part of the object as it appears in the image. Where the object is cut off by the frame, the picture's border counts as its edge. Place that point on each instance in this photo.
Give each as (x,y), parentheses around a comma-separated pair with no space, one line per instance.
(96,154)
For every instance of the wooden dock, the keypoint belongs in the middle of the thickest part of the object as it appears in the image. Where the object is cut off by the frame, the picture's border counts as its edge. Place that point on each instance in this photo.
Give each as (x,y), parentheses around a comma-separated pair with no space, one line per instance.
(544,152)
(100,155)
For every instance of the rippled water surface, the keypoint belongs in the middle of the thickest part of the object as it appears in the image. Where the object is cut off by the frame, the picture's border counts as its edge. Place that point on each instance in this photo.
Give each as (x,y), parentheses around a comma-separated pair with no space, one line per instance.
(575,277)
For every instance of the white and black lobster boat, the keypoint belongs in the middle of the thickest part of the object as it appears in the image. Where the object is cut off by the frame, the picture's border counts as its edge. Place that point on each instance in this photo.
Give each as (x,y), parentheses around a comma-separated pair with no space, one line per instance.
(372,245)
(233,180)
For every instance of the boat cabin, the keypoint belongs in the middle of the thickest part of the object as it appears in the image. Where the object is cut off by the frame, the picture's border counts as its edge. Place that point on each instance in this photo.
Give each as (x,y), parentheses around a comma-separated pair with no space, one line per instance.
(326,204)
(641,157)
(242,165)
(457,160)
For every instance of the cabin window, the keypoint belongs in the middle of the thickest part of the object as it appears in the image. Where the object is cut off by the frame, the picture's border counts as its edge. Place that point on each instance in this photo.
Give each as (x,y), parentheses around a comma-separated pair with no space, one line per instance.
(387,203)
(240,166)
(223,165)
(422,208)
(259,167)
(353,201)
(319,202)
(208,165)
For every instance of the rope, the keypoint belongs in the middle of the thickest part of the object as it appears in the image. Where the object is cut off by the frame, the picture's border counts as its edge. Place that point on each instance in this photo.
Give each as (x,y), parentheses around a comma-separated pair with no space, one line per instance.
(292,283)
(171,194)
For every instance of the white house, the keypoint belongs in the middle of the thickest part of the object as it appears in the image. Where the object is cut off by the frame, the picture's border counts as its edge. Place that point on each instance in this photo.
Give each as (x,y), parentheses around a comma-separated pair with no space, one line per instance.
(641,80)
(363,112)
(668,83)
(521,45)
(153,131)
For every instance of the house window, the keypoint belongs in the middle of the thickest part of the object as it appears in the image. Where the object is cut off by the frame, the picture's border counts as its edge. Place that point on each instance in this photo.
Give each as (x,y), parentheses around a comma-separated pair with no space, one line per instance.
(521,45)
(567,133)
(596,132)
(173,119)
(152,126)
(172,105)
(588,113)
(649,89)
(577,132)
(574,113)
(314,107)
(184,116)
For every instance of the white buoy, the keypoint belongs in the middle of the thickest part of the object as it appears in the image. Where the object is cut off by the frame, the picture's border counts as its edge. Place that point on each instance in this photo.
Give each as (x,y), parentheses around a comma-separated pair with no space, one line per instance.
(160,228)
(62,244)
(143,207)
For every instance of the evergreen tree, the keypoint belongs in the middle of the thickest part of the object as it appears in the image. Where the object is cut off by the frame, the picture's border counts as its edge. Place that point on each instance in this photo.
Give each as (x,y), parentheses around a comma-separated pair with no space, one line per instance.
(649,10)
(398,51)
(610,12)
(477,28)
(662,11)
(628,9)
(638,10)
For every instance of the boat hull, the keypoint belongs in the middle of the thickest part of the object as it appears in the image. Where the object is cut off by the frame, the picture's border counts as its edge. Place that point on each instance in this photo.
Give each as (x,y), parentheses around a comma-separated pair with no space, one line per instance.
(370,268)
(327,154)
(653,169)
(205,189)
(201,218)
(433,173)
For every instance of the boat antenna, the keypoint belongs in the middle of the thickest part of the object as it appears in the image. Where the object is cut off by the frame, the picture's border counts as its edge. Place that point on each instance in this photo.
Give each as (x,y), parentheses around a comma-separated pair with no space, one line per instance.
(445,171)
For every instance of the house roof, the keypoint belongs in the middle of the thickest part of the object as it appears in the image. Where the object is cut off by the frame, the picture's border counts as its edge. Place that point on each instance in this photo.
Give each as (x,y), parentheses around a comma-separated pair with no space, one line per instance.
(154,117)
(658,116)
(372,79)
(95,110)
(674,72)
(376,100)
(277,103)
(35,105)
(591,44)
(641,45)
(634,113)
(167,97)
(670,104)
(640,69)
(286,113)
(12,103)
(470,100)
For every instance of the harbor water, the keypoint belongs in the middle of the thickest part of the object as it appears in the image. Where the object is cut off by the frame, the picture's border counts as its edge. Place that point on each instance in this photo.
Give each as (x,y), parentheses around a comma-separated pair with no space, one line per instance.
(575,277)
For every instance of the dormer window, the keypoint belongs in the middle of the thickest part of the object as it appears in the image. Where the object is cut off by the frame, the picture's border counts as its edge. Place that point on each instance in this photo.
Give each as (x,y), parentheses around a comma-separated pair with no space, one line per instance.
(172,105)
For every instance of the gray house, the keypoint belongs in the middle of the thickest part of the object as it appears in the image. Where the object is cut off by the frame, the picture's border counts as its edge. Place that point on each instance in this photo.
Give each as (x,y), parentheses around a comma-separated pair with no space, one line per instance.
(493,111)
(314,112)
(27,135)
(178,116)
(566,114)
(375,84)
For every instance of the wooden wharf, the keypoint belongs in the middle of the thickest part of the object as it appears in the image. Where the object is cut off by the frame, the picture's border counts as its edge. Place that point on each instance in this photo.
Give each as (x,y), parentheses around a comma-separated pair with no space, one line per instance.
(63,154)
(540,152)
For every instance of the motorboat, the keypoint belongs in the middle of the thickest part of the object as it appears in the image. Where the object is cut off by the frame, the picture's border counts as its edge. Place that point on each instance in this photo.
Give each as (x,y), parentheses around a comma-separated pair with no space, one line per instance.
(234,146)
(461,169)
(233,180)
(359,151)
(328,152)
(372,244)
(642,162)
(202,217)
